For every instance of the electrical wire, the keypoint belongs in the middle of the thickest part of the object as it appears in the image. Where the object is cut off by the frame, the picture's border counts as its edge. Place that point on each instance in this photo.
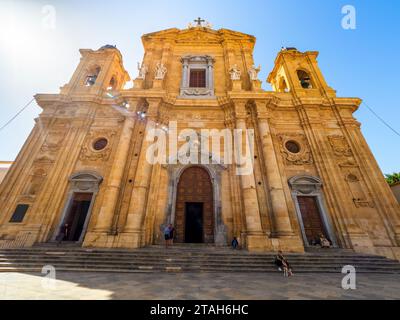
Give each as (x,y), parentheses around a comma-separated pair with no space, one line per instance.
(382,120)
(18,113)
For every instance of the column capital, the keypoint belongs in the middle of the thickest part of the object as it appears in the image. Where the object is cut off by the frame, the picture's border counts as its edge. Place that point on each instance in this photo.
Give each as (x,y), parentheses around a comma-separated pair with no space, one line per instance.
(262,111)
(153,107)
(133,103)
(239,109)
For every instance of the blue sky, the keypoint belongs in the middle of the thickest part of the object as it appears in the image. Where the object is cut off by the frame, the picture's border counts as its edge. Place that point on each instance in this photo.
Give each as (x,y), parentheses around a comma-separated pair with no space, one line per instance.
(357,63)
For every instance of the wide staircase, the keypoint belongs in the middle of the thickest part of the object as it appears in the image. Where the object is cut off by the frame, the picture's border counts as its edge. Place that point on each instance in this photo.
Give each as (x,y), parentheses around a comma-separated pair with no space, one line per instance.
(185,258)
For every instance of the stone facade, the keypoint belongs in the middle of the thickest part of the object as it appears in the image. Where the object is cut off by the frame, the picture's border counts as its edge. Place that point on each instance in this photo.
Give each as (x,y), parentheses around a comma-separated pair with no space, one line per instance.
(396,190)
(91,139)
(4,167)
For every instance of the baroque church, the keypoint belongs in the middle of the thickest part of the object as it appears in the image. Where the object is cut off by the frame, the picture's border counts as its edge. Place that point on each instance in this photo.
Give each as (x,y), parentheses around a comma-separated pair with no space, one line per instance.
(84,165)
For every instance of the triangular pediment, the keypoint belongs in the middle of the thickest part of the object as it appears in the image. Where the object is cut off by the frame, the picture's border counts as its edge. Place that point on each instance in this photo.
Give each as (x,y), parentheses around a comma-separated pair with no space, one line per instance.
(198,34)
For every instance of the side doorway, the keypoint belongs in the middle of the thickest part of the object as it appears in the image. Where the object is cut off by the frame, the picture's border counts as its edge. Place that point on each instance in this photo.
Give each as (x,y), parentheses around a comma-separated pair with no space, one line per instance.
(76,214)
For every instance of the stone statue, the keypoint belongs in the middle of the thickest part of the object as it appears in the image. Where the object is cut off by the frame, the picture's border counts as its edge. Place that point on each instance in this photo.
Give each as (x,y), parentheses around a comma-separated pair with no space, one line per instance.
(208,25)
(161,70)
(142,70)
(253,72)
(190,25)
(235,72)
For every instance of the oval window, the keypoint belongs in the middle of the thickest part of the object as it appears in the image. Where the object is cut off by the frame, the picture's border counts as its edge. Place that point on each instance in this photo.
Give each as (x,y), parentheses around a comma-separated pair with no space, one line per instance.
(292,146)
(100,144)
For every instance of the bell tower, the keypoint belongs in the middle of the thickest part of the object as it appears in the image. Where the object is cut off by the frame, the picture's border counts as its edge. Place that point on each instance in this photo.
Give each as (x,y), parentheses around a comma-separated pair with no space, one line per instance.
(298,72)
(98,72)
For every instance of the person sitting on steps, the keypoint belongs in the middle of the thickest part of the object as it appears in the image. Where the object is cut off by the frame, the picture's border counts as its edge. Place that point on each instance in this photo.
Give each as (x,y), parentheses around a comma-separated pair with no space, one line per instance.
(283,264)
(325,243)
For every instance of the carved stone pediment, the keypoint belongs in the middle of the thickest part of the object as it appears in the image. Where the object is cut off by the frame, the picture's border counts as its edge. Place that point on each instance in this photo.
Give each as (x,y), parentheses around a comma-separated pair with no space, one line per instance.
(348,163)
(85,181)
(198,35)
(44,159)
(305,184)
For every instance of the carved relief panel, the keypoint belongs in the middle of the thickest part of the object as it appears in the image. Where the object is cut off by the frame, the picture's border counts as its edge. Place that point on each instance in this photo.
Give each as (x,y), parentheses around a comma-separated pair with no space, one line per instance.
(350,171)
(295,149)
(355,183)
(97,145)
(36,179)
(53,141)
(340,146)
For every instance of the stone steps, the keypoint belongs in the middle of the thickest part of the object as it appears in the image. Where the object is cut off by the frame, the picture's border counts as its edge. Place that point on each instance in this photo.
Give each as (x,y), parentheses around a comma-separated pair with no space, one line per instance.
(184,259)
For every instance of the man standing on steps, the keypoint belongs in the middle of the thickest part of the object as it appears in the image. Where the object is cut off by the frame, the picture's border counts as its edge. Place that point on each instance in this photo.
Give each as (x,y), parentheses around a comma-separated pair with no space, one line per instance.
(171,234)
(167,235)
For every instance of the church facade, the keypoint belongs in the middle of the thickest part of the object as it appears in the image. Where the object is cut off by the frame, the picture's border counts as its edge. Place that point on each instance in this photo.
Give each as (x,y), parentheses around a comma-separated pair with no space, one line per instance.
(84,170)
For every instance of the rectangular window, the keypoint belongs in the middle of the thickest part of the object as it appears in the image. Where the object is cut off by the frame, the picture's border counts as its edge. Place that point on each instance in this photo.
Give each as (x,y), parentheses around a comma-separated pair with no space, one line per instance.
(197,78)
(19,213)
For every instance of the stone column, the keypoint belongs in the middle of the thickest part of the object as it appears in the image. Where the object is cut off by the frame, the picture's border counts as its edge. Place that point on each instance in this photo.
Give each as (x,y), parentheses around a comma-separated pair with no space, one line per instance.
(210,73)
(185,74)
(280,212)
(111,192)
(256,239)
(132,232)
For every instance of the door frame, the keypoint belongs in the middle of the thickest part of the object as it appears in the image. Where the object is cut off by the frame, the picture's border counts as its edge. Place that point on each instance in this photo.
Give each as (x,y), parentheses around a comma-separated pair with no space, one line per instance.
(309,186)
(214,170)
(82,182)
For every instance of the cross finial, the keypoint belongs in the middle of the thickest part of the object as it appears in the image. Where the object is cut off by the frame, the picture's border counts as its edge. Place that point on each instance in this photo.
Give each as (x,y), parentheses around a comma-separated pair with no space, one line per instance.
(199,21)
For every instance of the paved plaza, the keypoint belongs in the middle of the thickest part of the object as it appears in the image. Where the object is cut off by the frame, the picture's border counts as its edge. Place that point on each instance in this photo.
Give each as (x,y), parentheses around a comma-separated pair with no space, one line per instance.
(210,286)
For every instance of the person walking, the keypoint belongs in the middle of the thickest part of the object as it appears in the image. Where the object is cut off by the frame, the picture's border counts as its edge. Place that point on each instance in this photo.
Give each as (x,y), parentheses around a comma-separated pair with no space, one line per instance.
(235,243)
(63,234)
(171,234)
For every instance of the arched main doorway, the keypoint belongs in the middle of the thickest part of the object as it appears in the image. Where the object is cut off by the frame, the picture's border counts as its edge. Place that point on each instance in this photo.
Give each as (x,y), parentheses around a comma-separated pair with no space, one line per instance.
(194,215)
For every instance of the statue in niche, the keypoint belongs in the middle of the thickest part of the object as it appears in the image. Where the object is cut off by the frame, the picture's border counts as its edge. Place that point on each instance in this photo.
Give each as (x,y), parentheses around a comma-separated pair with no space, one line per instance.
(142,70)
(235,72)
(253,72)
(161,70)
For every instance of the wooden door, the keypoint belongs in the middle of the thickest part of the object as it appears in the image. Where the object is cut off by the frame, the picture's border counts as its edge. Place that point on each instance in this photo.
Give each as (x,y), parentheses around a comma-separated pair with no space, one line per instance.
(312,222)
(195,187)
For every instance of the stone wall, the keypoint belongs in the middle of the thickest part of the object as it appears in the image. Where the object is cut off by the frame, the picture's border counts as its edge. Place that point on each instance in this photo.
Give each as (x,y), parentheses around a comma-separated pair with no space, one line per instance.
(396,191)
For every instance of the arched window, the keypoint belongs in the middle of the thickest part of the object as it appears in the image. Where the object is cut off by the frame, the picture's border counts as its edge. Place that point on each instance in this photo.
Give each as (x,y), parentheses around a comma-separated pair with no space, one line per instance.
(92,76)
(282,86)
(113,84)
(304,78)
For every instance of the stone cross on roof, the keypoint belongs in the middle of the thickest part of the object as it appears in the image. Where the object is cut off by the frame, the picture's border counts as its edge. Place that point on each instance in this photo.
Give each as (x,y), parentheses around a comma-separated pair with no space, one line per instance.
(199,21)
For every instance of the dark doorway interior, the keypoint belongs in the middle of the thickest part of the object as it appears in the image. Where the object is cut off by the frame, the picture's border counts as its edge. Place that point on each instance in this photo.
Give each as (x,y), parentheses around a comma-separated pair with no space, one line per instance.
(74,221)
(194,222)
